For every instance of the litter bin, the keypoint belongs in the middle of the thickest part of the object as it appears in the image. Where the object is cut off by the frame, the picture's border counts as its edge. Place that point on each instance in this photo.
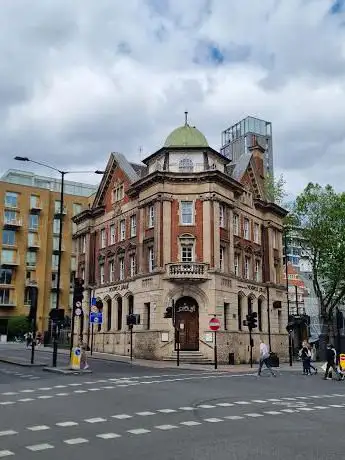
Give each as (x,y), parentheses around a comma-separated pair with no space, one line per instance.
(274,360)
(231,359)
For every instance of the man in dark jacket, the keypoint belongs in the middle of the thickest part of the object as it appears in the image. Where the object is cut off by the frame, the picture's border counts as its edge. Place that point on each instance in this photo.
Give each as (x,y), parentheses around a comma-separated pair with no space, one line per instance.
(331,357)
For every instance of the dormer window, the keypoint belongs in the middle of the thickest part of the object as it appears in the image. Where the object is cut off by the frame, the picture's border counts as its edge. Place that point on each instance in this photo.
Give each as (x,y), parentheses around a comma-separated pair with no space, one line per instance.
(186,165)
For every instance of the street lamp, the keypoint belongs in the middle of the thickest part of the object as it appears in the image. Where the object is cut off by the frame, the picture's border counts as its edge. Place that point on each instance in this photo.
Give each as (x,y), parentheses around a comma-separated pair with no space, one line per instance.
(63,173)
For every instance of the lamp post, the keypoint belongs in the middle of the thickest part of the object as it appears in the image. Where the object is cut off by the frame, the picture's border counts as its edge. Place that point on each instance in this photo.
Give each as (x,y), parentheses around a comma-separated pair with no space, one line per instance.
(58,282)
(287,295)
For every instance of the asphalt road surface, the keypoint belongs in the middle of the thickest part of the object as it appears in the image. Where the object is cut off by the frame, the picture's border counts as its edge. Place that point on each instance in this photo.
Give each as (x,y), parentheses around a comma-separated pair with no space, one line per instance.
(142,413)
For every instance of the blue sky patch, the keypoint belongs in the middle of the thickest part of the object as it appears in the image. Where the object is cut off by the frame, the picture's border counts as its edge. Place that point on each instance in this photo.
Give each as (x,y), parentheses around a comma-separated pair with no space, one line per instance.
(337,7)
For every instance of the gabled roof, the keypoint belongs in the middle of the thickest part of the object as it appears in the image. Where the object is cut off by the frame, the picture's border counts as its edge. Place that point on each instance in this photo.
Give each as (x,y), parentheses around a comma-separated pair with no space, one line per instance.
(131,170)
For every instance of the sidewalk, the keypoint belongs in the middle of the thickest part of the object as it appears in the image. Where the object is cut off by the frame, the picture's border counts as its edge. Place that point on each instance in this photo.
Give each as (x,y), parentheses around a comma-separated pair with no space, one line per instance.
(242,368)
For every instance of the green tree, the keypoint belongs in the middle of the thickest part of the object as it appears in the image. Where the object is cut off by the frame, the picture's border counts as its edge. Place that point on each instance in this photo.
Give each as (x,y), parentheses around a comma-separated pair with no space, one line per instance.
(274,189)
(17,326)
(320,214)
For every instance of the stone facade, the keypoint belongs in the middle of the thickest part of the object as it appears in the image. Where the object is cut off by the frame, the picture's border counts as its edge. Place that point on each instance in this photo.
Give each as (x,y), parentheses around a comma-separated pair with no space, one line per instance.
(187,230)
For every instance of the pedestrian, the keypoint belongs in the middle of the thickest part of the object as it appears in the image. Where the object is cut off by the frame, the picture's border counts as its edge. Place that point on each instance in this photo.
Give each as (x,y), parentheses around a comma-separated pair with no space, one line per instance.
(264,358)
(310,359)
(28,338)
(305,356)
(331,357)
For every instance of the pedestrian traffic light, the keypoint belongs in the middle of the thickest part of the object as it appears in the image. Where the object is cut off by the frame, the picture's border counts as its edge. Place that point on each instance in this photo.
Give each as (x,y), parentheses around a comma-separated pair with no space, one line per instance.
(78,293)
(168,312)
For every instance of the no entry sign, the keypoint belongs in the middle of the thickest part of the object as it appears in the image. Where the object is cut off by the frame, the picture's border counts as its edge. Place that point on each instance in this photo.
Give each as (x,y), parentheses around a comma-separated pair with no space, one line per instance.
(214,324)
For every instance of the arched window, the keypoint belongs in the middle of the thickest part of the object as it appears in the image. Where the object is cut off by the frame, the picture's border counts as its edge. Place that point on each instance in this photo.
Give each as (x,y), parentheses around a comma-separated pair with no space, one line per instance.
(119,313)
(239,311)
(186,165)
(260,314)
(109,314)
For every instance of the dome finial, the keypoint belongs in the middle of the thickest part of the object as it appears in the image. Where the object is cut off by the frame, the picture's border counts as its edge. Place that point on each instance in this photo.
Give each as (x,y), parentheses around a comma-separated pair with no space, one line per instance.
(186,118)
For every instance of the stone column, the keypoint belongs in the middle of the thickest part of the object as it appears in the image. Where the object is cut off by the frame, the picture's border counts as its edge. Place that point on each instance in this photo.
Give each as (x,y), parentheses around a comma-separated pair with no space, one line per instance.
(166,232)
(206,231)
(216,239)
(142,226)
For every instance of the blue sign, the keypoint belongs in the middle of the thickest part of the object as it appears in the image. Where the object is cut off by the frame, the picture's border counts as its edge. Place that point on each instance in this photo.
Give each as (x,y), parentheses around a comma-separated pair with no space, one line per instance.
(77,351)
(96,318)
(93,300)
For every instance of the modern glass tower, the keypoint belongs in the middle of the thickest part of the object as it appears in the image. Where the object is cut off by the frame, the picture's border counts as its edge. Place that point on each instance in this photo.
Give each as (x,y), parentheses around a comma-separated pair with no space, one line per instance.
(237,139)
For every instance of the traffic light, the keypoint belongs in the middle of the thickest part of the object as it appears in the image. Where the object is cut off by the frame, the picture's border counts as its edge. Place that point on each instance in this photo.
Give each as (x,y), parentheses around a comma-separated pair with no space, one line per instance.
(251,320)
(168,312)
(133,319)
(78,293)
(57,314)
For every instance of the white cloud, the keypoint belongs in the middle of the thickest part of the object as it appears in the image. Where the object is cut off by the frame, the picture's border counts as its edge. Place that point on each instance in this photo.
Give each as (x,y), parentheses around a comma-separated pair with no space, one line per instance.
(86,78)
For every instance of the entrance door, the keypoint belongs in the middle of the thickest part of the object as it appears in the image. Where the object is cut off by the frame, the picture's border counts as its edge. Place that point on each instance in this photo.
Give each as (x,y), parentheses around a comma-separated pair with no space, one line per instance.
(187,317)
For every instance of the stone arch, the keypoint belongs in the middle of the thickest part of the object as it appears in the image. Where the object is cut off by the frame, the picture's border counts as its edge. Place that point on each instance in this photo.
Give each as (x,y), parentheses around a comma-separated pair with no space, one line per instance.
(106,298)
(109,304)
(188,291)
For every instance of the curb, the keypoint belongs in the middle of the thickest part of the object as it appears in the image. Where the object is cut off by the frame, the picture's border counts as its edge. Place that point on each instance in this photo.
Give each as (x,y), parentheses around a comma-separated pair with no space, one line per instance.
(67,371)
(20,363)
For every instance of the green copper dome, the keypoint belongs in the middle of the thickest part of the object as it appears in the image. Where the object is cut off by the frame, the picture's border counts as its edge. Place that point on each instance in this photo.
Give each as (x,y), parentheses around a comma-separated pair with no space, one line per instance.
(186,136)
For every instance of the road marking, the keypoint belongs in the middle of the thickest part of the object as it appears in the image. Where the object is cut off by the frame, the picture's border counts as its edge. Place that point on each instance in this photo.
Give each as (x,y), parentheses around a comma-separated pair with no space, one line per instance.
(166,411)
(273,412)
(108,435)
(273,400)
(9,393)
(62,394)
(206,406)
(75,384)
(7,403)
(44,389)
(225,404)
(233,417)
(8,433)
(38,428)
(95,420)
(74,441)
(5,453)
(190,423)
(27,391)
(61,386)
(26,399)
(213,420)
(144,414)
(121,416)
(186,408)
(139,431)
(336,405)
(258,400)
(166,427)
(321,407)
(305,408)
(64,424)
(242,402)
(254,415)
(79,391)
(38,447)
(94,389)
(109,387)
(289,399)
(44,397)
(289,411)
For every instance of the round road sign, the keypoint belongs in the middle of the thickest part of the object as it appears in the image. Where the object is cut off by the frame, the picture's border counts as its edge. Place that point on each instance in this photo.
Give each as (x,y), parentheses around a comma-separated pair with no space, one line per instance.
(214,324)
(78,304)
(78,311)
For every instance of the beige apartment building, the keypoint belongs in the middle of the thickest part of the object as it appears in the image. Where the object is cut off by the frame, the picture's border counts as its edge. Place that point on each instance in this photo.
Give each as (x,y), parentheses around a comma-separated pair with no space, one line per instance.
(187,228)
(29,242)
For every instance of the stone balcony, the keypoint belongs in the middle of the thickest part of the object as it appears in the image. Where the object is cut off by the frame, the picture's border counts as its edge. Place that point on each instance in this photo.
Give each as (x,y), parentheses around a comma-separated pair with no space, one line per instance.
(185,271)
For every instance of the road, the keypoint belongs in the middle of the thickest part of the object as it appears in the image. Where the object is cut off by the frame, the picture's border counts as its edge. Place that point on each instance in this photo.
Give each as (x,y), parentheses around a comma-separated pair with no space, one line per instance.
(142,413)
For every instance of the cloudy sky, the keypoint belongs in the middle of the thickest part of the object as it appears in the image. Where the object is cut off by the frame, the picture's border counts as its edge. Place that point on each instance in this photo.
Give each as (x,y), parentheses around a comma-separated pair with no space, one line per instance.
(81,78)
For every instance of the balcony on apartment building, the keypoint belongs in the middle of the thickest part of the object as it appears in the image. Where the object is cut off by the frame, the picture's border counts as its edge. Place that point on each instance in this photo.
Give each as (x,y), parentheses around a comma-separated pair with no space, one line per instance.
(57,211)
(31,264)
(35,205)
(56,248)
(29,282)
(12,220)
(53,286)
(34,243)
(187,271)
(7,298)
(9,261)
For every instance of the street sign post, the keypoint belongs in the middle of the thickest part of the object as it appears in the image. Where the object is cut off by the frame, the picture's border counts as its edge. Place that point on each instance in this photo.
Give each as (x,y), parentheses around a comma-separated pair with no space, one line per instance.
(214,325)
(96,317)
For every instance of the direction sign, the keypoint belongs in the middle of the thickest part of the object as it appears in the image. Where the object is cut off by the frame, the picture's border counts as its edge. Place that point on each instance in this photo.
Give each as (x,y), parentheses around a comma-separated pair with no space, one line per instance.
(214,324)
(96,318)
(78,311)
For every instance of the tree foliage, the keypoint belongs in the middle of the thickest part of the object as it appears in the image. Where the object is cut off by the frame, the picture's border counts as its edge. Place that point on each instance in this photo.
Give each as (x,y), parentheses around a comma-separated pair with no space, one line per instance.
(320,215)
(17,326)
(274,189)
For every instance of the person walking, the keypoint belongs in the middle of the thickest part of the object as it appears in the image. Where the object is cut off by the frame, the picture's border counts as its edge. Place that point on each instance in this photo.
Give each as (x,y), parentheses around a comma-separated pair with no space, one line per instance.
(331,357)
(264,359)
(310,359)
(305,356)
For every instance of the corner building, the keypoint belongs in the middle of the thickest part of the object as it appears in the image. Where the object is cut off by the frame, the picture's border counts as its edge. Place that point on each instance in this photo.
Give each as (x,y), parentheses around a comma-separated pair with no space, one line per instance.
(187,227)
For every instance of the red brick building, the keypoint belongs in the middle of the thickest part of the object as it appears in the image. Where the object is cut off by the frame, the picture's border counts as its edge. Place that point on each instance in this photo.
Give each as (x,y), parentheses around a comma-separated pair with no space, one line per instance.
(187,228)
